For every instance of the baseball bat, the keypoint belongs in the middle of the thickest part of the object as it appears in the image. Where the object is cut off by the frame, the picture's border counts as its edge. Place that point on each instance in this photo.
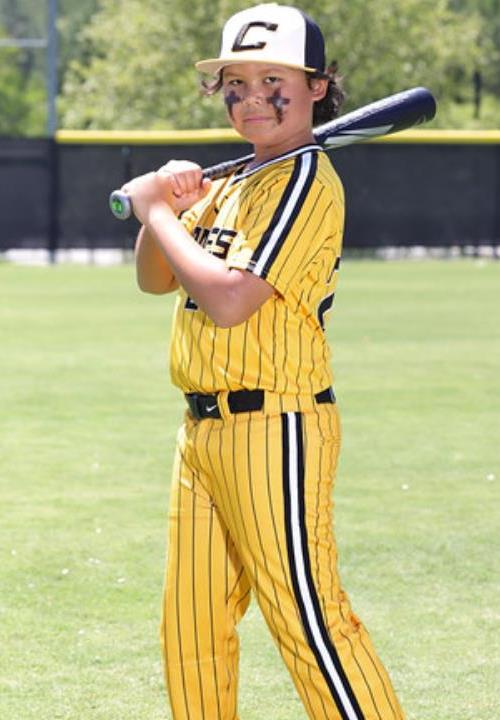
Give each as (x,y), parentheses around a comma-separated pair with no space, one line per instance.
(383,117)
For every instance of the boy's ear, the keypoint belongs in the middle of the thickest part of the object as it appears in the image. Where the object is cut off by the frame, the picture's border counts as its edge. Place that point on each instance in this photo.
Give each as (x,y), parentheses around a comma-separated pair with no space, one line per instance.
(319,88)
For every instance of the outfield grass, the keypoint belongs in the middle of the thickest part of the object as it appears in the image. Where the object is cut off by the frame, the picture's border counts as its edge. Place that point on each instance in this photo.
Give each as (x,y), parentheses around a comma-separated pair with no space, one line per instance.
(87,428)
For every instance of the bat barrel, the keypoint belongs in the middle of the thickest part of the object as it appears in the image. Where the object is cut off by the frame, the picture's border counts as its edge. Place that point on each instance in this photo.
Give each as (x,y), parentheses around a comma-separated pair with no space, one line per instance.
(418,105)
(383,117)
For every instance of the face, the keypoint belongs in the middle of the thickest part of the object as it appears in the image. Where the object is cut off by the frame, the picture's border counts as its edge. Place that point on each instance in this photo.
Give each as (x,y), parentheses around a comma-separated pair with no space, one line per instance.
(271,104)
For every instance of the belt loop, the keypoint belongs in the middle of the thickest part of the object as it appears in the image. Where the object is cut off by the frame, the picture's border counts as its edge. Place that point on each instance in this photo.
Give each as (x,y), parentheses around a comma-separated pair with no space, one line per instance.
(223,405)
(272,404)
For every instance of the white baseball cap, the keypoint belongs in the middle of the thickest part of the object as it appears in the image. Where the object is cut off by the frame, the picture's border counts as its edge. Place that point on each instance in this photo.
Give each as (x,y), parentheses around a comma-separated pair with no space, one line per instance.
(273,34)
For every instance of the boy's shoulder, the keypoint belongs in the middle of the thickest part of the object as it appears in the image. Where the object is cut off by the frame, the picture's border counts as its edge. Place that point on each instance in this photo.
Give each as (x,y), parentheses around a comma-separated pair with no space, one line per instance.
(293,167)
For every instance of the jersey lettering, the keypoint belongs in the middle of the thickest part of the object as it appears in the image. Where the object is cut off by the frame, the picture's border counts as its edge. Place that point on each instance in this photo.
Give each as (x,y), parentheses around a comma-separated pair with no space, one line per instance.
(282,222)
(327,302)
(219,242)
(324,306)
(201,234)
(238,43)
(190,304)
(216,241)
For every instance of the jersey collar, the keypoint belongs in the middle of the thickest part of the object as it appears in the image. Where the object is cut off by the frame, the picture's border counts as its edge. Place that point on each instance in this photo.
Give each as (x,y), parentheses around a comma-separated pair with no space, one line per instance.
(292,153)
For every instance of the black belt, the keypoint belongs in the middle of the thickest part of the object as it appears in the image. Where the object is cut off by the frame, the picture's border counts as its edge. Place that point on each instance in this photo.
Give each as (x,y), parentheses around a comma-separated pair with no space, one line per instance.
(207,406)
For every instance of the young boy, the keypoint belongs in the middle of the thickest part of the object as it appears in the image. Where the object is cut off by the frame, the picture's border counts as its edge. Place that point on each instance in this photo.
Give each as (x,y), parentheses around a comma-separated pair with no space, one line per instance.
(255,259)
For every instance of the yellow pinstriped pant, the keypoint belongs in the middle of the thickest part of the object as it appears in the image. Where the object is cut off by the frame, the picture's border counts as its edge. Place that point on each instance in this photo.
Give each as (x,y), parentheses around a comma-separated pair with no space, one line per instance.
(251,511)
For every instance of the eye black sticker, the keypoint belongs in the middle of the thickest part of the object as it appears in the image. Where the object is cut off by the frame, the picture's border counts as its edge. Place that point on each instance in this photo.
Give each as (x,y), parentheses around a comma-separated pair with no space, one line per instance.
(231,100)
(278,102)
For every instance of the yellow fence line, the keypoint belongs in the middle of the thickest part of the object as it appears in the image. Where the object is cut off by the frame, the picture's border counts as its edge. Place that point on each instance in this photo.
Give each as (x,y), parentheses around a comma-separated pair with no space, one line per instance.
(147,137)
(220,135)
(447,137)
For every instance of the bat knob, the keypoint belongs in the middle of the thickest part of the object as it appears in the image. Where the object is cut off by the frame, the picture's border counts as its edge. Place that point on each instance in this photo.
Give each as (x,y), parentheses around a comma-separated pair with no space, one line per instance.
(120,204)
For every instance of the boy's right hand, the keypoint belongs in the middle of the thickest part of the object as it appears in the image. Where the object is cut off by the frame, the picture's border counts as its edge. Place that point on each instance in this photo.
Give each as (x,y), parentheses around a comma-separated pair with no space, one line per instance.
(175,187)
(184,183)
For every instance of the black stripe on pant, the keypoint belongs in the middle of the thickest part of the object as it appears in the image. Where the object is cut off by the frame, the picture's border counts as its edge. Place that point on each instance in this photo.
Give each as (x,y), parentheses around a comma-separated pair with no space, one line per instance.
(300,569)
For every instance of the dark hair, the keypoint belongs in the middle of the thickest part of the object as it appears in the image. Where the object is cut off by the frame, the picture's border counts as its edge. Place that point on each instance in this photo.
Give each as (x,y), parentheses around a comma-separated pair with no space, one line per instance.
(323,111)
(328,107)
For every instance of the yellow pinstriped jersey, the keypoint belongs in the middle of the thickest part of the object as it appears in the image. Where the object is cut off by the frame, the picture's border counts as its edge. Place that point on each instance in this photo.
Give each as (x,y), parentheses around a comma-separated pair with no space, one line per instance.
(282,221)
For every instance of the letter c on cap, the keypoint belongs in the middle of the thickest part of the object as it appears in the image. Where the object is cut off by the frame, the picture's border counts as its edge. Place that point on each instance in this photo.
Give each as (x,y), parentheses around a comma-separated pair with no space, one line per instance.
(238,47)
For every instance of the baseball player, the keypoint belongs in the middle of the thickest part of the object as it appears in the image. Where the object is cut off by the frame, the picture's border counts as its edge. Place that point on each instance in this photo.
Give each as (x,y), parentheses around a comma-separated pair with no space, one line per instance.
(255,259)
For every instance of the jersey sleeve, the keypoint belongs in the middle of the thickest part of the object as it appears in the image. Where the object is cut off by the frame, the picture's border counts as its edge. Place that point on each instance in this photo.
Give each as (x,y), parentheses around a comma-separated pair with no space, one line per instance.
(287,223)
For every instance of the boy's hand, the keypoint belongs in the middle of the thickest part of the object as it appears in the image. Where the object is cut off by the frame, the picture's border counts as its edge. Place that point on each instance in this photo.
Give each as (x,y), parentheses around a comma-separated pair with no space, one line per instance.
(178,184)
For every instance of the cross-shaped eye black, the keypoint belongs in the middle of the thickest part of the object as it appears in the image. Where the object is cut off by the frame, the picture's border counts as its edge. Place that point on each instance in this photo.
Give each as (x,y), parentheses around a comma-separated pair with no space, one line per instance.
(238,43)
(231,99)
(278,102)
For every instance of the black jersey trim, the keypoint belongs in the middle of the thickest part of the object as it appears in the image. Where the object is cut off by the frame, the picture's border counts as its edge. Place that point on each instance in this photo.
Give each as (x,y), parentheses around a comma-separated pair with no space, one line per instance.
(286,156)
(286,213)
(305,591)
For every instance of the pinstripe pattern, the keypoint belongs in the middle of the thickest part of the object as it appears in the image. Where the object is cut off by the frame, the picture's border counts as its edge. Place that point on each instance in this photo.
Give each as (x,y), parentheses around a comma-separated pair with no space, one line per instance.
(275,540)
(284,217)
(285,214)
(250,505)
(250,509)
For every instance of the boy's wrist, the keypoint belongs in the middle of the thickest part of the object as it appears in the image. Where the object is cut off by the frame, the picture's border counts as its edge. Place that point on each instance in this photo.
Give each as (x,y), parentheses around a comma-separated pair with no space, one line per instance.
(159,214)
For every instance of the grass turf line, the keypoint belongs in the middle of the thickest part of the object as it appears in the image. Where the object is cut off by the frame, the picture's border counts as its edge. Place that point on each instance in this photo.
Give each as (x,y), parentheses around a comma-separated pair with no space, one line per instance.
(88,422)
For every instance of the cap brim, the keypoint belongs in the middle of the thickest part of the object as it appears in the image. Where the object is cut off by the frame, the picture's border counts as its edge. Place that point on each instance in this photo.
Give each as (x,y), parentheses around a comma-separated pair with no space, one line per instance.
(214,65)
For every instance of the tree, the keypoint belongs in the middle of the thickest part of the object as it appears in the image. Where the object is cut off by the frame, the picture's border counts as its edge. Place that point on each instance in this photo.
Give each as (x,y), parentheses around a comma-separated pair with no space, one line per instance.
(138,66)
(13,102)
(129,63)
(24,83)
(489,40)
(385,45)
(21,83)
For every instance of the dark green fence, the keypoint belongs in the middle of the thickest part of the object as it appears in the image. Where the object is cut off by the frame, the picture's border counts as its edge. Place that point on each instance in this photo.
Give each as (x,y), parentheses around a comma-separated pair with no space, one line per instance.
(421,188)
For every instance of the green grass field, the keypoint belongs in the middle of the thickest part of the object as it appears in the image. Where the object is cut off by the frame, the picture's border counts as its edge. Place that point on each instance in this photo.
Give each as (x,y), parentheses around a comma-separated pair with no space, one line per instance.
(87,428)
